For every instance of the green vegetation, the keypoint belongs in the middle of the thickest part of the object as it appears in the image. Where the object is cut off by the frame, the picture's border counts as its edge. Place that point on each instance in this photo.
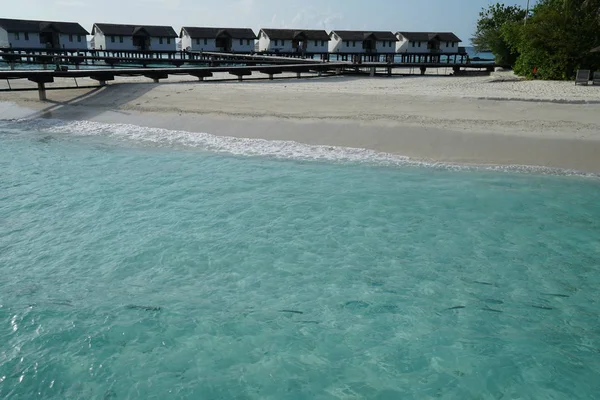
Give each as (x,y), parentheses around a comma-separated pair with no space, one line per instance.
(490,33)
(554,41)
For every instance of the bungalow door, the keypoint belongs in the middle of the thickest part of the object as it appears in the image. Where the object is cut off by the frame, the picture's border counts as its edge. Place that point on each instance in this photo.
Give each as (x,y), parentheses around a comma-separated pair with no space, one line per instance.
(50,39)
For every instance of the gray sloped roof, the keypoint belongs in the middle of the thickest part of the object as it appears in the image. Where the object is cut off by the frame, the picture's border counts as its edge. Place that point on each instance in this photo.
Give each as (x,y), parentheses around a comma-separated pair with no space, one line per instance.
(427,36)
(22,25)
(362,35)
(211,33)
(291,34)
(129,30)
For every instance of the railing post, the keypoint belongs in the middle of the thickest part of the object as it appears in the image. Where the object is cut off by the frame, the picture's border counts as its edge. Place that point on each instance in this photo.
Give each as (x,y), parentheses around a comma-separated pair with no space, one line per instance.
(42,91)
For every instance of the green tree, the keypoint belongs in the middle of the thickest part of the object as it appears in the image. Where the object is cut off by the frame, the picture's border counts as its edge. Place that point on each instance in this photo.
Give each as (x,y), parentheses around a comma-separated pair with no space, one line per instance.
(557,38)
(489,33)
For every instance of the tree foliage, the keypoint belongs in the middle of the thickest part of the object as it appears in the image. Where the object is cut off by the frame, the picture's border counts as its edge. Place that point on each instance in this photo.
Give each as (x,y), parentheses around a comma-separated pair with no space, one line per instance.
(489,34)
(555,41)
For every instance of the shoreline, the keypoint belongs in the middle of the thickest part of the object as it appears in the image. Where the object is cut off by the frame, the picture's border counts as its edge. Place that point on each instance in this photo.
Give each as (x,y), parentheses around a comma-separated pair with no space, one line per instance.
(455,130)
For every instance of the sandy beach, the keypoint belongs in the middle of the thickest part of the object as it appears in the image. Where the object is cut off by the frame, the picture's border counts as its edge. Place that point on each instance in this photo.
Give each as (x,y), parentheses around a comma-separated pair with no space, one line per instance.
(480,120)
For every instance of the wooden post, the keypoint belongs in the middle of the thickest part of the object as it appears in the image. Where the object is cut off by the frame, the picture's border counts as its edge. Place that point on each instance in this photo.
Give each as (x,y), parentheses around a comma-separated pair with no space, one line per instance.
(372,74)
(42,91)
(240,78)
(270,77)
(298,75)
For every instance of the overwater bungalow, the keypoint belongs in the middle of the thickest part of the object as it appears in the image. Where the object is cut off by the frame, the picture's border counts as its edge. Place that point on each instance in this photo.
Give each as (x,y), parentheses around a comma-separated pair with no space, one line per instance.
(20,33)
(380,42)
(427,42)
(134,37)
(293,41)
(236,40)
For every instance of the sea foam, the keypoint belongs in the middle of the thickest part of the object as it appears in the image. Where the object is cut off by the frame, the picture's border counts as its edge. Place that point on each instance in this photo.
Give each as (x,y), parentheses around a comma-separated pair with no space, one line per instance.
(252,147)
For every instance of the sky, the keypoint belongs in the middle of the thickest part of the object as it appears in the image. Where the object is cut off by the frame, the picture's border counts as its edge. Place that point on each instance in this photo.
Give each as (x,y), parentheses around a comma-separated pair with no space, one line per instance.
(458,16)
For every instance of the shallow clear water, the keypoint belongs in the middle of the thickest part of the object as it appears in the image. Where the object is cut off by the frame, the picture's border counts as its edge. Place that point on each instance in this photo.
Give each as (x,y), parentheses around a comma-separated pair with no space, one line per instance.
(139,263)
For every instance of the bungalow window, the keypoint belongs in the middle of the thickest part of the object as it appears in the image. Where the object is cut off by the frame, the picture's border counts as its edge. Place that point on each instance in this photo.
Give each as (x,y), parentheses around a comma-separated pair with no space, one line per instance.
(121,39)
(275,42)
(282,42)
(453,43)
(248,42)
(197,40)
(168,40)
(26,35)
(391,43)
(70,37)
(112,39)
(316,43)
(16,35)
(419,44)
(241,42)
(205,42)
(447,44)
(347,44)
(79,38)
(413,44)
(160,40)
(384,43)
(322,43)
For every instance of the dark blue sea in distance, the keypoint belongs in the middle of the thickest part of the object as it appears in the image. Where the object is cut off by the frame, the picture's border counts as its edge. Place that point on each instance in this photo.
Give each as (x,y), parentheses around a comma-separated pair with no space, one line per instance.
(141,263)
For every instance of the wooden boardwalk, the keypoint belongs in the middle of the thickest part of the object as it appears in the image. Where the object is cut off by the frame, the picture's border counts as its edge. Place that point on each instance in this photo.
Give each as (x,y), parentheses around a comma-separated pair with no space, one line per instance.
(103,75)
(41,77)
(134,58)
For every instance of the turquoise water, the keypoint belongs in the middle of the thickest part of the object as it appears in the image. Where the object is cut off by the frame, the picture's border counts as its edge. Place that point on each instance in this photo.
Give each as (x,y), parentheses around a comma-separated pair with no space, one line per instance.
(141,263)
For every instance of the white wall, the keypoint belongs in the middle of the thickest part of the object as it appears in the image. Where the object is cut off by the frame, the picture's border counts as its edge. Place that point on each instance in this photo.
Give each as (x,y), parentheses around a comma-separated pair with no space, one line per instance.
(272,45)
(244,47)
(263,42)
(318,48)
(4,38)
(384,47)
(99,40)
(32,43)
(406,46)
(117,45)
(340,46)
(65,43)
(446,47)
(401,44)
(155,44)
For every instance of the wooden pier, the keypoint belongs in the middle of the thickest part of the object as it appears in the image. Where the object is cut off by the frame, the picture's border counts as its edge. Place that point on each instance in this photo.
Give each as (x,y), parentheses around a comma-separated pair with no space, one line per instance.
(41,77)
(204,64)
(126,58)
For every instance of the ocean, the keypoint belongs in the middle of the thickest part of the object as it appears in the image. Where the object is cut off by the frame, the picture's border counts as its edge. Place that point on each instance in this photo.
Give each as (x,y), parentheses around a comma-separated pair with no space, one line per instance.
(150,264)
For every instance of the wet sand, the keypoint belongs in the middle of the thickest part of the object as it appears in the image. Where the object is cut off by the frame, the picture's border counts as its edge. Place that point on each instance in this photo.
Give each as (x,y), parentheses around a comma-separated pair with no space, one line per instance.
(471,120)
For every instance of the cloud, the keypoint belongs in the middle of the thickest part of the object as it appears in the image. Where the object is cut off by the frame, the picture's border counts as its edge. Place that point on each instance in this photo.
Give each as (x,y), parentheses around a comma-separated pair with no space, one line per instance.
(316,19)
(71,3)
(167,4)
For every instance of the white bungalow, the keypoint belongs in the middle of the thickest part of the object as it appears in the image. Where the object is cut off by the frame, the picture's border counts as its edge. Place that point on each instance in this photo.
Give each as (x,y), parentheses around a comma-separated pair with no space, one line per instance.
(134,37)
(293,41)
(380,42)
(18,33)
(427,42)
(237,40)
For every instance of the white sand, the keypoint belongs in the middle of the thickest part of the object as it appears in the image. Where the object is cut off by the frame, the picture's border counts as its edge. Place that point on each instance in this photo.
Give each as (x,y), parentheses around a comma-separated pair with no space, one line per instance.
(553,124)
